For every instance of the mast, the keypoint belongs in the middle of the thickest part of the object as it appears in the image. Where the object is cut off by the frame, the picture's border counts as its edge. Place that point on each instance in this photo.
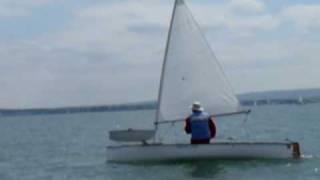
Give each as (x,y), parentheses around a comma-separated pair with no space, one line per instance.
(164,63)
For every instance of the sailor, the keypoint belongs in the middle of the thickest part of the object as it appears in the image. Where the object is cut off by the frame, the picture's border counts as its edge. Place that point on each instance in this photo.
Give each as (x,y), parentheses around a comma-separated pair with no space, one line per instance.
(200,125)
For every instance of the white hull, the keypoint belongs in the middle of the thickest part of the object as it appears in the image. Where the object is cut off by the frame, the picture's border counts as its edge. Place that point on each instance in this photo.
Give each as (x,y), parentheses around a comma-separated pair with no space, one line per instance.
(221,150)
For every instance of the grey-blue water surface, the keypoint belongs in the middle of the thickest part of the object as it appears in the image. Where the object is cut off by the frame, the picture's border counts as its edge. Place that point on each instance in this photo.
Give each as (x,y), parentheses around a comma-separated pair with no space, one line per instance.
(72,146)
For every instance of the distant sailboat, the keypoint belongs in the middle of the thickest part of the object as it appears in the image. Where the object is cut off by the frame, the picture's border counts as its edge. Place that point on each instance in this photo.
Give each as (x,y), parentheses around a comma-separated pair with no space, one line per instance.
(300,100)
(191,72)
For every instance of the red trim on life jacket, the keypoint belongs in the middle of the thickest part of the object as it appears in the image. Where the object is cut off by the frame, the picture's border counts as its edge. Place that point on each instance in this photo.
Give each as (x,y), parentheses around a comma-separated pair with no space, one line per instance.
(212,127)
(187,126)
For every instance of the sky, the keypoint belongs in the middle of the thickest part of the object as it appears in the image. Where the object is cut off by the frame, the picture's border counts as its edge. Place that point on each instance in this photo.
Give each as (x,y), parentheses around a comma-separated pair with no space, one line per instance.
(91,52)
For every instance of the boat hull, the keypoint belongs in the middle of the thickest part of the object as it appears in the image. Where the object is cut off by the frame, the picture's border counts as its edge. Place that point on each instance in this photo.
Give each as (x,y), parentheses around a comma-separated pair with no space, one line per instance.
(219,150)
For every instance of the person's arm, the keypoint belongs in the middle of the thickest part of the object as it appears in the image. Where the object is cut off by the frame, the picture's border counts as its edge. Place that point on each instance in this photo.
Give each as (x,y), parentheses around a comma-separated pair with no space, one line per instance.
(212,126)
(187,127)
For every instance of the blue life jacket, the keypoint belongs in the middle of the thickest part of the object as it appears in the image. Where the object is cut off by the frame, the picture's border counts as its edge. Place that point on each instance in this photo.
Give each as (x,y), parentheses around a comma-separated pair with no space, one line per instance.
(200,126)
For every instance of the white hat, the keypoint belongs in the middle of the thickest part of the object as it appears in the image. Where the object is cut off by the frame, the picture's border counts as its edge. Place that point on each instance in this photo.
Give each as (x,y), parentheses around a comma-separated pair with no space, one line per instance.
(196,106)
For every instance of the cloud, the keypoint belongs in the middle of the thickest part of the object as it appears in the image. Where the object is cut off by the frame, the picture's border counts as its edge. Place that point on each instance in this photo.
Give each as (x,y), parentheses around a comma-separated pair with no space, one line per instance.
(101,53)
(39,76)
(112,52)
(17,8)
(305,17)
(243,17)
(247,6)
(12,11)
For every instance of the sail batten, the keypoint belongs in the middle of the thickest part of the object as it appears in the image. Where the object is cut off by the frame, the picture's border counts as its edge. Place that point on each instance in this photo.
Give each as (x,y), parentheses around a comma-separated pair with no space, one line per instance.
(191,72)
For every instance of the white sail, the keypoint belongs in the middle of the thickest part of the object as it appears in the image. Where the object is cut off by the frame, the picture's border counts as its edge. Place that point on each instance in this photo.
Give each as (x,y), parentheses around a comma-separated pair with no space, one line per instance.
(191,72)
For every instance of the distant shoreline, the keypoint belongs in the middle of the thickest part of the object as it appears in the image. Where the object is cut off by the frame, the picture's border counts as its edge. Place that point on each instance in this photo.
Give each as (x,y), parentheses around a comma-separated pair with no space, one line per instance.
(294,97)
(78,109)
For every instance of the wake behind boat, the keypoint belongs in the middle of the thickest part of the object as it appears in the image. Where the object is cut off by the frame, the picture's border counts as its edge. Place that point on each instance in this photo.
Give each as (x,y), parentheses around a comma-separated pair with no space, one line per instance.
(191,72)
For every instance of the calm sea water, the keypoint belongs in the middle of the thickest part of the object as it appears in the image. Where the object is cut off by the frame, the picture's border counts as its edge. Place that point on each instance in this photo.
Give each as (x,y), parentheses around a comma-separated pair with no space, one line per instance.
(73,146)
